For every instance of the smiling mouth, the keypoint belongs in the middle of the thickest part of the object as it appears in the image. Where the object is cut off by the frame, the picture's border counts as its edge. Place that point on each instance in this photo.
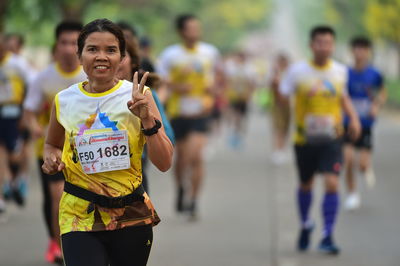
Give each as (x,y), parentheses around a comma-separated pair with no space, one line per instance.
(101,67)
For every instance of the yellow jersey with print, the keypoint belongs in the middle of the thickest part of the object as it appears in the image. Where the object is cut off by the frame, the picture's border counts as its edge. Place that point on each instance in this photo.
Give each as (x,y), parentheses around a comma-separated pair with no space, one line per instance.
(102,124)
(42,90)
(14,76)
(240,76)
(317,94)
(194,68)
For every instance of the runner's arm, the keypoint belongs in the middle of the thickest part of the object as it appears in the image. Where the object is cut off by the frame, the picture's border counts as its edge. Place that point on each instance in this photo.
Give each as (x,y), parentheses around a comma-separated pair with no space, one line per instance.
(354,125)
(378,102)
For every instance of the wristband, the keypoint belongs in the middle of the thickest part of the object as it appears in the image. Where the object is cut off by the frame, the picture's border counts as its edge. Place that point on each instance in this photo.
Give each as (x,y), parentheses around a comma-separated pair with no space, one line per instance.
(153,130)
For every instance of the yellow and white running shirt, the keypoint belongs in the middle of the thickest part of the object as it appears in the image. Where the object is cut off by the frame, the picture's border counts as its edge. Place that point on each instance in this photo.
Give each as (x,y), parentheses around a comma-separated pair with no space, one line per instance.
(43,89)
(101,133)
(196,67)
(14,76)
(241,77)
(317,94)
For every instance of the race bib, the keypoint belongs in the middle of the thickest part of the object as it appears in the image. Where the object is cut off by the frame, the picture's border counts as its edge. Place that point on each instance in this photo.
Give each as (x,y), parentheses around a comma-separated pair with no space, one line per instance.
(10,111)
(362,106)
(103,152)
(191,106)
(320,127)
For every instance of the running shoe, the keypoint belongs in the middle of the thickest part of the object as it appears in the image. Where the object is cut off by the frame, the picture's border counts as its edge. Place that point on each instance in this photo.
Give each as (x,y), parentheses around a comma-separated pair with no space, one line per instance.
(352,202)
(304,238)
(328,246)
(53,253)
(57,253)
(20,192)
(279,157)
(235,141)
(192,211)
(7,192)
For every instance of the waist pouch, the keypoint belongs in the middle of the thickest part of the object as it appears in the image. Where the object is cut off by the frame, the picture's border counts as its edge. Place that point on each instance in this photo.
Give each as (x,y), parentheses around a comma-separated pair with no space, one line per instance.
(104,201)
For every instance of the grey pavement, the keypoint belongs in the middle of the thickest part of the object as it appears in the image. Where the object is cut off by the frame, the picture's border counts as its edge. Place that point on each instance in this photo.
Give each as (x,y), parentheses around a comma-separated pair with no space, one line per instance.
(247,213)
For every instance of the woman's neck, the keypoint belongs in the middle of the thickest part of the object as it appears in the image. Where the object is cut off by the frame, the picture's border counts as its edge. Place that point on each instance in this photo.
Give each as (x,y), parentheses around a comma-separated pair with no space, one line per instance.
(94,86)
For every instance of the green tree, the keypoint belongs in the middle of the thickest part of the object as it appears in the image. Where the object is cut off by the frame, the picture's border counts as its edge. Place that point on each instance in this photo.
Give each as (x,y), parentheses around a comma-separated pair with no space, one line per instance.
(225,21)
(382,21)
(3,9)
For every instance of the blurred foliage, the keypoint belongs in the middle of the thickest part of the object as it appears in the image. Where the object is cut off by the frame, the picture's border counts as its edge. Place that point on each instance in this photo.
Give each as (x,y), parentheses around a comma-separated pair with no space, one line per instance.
(347,16)
(224,21)
(393,86)
(382,19)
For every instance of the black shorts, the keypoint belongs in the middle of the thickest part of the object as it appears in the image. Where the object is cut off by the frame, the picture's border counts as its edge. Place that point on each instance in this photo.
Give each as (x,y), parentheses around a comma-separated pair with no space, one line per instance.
(184,126)
(240,107)
(59,176)
(363,142)
(9,133)
(318,158)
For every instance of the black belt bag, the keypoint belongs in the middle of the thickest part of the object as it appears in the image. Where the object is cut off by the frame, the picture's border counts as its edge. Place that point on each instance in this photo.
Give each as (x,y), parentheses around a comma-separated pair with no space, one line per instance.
(104,201)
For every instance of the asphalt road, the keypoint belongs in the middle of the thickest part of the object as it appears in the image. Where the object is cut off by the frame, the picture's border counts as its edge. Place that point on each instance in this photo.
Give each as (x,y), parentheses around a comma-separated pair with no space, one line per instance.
(247,212)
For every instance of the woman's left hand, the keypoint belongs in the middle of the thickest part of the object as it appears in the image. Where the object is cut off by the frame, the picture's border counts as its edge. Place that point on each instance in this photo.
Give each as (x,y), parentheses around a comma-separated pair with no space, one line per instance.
(139,105)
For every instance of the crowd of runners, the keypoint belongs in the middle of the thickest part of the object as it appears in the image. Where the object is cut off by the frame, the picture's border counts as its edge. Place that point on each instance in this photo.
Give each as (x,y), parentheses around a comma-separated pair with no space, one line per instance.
(92,124)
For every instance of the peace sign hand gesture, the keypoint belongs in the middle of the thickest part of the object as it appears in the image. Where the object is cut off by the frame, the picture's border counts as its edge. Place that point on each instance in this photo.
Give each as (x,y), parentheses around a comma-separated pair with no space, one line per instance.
(139,105)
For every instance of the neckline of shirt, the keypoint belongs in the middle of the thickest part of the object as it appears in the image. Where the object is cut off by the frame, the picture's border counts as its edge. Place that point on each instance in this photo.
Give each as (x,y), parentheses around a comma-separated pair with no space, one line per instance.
(67,74)
(100,94)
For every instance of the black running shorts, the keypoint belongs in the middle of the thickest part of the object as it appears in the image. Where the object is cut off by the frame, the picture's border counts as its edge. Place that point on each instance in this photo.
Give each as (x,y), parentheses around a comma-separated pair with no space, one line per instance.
(318,158)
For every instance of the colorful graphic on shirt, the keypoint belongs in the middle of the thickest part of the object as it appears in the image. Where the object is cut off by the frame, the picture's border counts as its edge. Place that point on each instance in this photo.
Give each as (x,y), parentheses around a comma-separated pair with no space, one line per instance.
(321,85)
(96,121)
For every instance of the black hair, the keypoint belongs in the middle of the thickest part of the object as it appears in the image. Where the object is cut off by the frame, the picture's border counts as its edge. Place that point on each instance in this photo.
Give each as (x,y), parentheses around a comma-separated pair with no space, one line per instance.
(322,29)
(102,25)
(133,53)
(125,26)
(181,20)
(361,41)
(145,42)
(67,26)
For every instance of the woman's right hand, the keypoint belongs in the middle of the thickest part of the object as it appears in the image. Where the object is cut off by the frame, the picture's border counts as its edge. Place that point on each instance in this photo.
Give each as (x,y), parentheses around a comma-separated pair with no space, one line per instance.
(52,160)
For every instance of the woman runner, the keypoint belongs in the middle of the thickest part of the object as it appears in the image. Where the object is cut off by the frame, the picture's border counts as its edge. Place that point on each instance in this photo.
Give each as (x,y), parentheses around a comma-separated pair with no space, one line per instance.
(96,135)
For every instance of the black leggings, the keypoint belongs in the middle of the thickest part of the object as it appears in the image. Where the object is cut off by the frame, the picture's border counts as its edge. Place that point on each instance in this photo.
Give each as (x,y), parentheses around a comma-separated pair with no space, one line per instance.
(129,246)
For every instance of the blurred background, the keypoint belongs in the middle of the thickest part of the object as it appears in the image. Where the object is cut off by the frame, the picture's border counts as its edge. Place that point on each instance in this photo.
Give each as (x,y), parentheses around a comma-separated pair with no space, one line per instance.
(248,213)
(262,27)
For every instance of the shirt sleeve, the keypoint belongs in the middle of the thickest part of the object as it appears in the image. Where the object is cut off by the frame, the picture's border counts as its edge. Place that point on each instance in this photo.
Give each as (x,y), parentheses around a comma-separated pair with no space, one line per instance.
(288,82)
(34,96)
(26,71)
(162,66)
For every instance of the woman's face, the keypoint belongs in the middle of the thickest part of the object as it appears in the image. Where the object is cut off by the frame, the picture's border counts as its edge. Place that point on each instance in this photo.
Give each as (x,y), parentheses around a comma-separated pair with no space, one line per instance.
(101,56)
(125,68)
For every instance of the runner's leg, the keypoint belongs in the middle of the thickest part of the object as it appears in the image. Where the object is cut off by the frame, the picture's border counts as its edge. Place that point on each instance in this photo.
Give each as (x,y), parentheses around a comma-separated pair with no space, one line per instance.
(83,249)
(349,167)
(130,245)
